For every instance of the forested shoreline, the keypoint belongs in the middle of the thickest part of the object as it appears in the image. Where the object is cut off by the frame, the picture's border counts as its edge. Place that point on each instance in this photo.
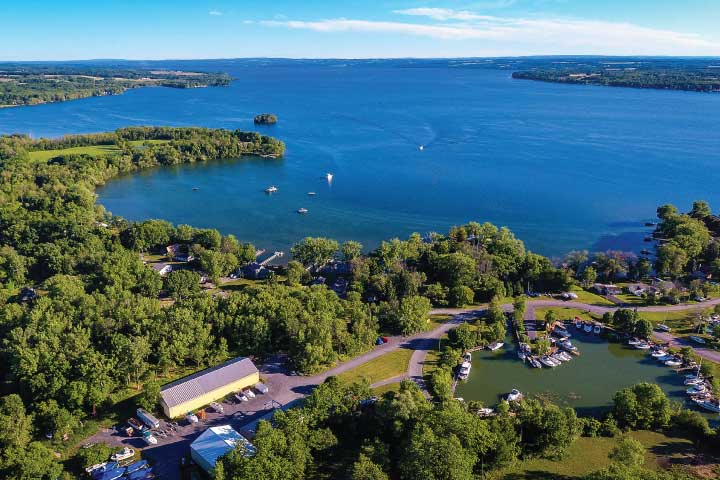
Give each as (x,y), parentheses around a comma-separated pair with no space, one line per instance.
(33,84)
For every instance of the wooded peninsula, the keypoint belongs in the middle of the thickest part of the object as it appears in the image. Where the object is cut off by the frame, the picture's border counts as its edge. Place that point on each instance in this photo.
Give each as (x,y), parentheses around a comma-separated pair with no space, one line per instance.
(31,84)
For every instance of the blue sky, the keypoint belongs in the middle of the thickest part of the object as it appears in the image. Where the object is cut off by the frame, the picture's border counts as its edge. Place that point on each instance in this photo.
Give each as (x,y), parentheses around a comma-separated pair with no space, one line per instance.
(160,29)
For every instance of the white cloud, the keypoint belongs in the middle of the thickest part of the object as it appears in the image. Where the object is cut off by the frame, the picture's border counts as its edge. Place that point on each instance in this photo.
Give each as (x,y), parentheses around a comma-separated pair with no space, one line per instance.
(522,36)
(215,13)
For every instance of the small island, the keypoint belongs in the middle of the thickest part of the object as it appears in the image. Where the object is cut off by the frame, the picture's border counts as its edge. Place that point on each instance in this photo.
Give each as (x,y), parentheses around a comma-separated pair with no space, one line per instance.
(266,119)
(33,84)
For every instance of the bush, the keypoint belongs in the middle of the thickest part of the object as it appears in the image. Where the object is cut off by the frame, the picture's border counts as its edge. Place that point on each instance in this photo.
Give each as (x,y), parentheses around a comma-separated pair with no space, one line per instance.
(609,427)
(591,427)
(460,296)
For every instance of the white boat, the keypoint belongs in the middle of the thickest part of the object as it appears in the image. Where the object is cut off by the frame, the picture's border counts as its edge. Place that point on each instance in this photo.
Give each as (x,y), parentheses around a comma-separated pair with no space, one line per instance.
(697,339)
(578,323)
(658,353)
(302,210)
(662,327)
(568,346)
(485,412)
(535,363)
(241,397)
(467,357)
(548,362)
(514,395)
(124,454)
(597,329)
(329,177)
(495,346)
(588,328)
(522,355)
(312,193)
(693,375)
(271,189)
(713,406)
(694,381)
(633,341)
(665,358)
(696,389)
(464,370)
(673,363)
(421,148)
(642,346)
(564,356)
(217,407)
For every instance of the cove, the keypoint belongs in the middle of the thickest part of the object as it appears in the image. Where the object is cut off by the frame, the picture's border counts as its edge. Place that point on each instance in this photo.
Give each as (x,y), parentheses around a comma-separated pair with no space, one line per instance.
(586,383)
(565,167)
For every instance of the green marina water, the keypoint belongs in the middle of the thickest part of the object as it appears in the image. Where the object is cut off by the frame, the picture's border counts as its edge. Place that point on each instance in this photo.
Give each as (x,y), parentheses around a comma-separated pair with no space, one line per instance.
(586,383)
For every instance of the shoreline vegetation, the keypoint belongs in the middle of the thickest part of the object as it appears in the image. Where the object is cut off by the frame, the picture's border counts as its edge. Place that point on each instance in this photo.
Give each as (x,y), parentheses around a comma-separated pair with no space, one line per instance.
(85,322)
(265,119)
(26,84)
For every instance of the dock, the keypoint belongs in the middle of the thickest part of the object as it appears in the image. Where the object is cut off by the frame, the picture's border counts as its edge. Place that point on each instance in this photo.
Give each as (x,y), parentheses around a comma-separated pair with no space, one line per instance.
(272,257)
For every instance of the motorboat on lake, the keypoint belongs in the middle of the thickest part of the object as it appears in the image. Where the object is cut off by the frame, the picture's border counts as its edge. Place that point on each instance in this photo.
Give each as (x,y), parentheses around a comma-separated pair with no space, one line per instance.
(673,362)
(312,194)
(548,362)
(567,346)
(708,404)
(329,177)
(302,210)
(694,381)
(696,389)
(271,189)
(535,363)
(485,412)
(642,345)
(495,346)
(588,328)
(578,323)
(658,353)
(597,329)
(464,370)
(514,396)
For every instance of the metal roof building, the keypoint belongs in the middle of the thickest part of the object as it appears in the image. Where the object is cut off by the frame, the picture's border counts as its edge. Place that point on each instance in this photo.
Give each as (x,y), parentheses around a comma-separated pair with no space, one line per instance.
(215,442)
(199,389)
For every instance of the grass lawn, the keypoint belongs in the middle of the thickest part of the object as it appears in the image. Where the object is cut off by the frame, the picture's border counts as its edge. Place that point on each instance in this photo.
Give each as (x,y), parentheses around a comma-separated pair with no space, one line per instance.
(590,298)
(387,366)
(94,150)
(565,313)
(590,454)
(436,321)
(390,387)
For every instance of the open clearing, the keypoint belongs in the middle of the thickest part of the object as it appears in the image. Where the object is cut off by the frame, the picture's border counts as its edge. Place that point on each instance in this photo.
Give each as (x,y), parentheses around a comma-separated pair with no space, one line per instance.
(387,366)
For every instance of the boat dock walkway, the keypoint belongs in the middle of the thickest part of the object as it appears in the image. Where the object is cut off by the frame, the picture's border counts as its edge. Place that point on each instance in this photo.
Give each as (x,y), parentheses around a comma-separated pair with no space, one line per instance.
(272,257)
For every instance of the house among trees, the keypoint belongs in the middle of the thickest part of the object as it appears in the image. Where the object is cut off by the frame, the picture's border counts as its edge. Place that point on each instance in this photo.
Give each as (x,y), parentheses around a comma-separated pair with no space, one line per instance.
(607,289)
(179,253)
(255,271)
(640,289)
(162,268)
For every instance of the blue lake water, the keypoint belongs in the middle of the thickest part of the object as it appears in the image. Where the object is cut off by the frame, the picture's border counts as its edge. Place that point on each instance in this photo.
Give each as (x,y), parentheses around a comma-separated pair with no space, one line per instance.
(565,167)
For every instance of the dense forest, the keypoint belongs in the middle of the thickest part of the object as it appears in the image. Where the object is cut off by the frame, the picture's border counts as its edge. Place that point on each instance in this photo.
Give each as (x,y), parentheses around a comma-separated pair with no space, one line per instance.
(31,84)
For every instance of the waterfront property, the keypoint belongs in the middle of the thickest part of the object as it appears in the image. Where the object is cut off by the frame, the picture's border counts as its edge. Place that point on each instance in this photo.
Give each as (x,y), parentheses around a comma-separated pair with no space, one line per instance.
(215,442)
(202,388)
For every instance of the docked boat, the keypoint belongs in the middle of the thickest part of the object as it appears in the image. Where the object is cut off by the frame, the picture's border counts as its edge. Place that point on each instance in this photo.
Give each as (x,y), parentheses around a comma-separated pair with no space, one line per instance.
(658,353)
(514,395)
(633,341)
(662,327)
(696,389)
(597,329)
(564,356)
(495,346)
(312,194)
(302,210)
(588,328)
(271,189)
(485,412)
(467,357)
(535,363)
(566,345)
(694,381)
(464,370)
(642,346)
(708,404)
(561,332)
(548,362)
(665,358)
(329,177)
(697,339)
(673,362)
(522,355)
(578,323)
(123,454)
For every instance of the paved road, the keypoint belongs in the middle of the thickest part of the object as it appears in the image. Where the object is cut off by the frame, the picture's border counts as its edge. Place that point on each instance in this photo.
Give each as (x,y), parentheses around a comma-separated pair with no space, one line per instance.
(286,387)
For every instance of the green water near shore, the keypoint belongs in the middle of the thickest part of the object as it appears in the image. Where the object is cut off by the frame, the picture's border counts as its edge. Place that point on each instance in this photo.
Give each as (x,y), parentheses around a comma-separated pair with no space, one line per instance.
(586,383)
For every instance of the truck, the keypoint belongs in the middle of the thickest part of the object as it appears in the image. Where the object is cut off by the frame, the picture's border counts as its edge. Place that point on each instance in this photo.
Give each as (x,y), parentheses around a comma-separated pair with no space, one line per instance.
(147,418)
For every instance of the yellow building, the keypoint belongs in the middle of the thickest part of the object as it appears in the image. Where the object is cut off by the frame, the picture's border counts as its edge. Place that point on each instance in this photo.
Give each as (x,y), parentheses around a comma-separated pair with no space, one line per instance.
(199,389)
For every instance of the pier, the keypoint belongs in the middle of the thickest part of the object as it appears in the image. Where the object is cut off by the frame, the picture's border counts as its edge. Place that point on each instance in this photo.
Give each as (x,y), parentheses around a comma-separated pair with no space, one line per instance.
(272,257)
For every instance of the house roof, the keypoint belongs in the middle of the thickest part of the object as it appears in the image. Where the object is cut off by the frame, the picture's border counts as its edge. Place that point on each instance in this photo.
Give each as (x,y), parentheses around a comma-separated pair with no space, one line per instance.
(217,441)
(159,266)
(206,381)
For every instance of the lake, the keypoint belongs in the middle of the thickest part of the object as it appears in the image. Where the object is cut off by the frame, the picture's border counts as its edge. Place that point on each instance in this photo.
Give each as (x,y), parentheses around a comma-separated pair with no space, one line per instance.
(565,167)
(586,383)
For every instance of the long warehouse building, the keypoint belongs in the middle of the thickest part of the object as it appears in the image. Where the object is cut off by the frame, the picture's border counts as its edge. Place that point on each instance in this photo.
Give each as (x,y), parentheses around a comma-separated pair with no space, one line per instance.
(199,389)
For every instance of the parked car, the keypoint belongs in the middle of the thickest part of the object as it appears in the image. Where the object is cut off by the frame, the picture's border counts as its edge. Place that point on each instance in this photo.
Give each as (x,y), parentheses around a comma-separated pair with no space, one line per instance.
(217,407)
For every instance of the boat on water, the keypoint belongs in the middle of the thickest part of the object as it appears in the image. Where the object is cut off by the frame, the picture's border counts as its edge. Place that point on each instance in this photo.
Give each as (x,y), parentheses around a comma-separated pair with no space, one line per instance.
(697,339)
(696,389)
(673,362)
(535,363)
(195,189)
(467,357)
(495,346)
(597,329)
(522,355)
(564,356)
(578,323)
(485,412)
(421,148)
(302,210)
(464,370)
(567,346)
(271,189)
(312,194)
(658,353)
(514,396)
(708,404)
(548,362)
(588,328)
(642,346)
(633,341)
(694,381)
(329,177)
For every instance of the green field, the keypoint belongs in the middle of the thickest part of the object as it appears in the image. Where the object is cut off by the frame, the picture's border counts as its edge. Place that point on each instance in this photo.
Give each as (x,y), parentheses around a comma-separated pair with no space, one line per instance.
(93,150)
(387,366)
(590,454)
(390,387)
(565,313)
(590,298)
